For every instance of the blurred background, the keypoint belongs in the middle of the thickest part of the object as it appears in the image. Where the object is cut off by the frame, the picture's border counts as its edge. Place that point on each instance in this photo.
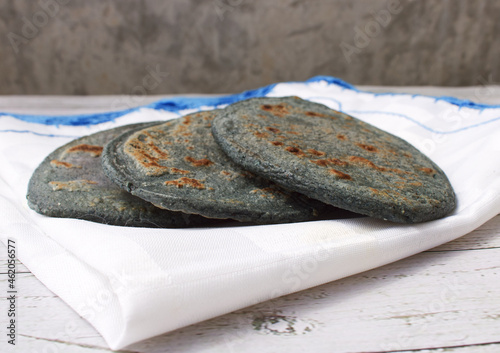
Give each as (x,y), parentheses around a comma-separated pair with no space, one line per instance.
(94,47)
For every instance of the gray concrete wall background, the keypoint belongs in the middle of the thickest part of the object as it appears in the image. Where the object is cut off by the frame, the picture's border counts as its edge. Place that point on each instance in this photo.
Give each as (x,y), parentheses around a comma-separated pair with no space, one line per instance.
(219,46)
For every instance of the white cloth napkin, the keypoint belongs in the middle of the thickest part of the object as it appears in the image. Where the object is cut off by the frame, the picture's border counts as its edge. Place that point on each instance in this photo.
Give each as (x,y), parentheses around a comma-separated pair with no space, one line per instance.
(135,283)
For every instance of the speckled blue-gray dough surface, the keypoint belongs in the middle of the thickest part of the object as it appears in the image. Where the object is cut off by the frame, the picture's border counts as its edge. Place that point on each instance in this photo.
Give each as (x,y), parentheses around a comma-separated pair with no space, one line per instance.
(70,183)
(178,166)
(334,158)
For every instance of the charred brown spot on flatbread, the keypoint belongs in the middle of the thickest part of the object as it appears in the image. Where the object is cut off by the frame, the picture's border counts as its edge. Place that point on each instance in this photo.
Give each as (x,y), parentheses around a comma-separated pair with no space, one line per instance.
(314,114)
(184,181)
(320,162)
(273,129)
(279,110)
(337,161)
(261,134)
(427,170)
(315,152)
(296,151)
(174,170)
(340,174)
(161,154)
(326,162)
(59,164)
(199,162)
(72,185)
(368,148)
(229,176)
(147,155)
(364,161)
(264,192)
(370,164)
(93,150)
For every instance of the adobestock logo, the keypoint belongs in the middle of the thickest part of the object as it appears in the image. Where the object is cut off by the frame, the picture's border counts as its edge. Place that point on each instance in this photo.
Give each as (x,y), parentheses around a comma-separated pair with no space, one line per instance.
(137,96)
(31,26)
(363,35)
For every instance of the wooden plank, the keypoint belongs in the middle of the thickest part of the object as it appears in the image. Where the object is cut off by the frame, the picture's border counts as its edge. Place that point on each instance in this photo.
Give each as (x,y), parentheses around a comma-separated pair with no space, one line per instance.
(485,237)
(36,304)
(478,348)
(31,344)
(25,286)
(20,268)
(72,105)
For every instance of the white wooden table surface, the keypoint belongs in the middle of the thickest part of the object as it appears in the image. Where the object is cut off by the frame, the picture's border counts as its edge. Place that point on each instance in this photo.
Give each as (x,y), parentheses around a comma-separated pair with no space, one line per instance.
(446,299)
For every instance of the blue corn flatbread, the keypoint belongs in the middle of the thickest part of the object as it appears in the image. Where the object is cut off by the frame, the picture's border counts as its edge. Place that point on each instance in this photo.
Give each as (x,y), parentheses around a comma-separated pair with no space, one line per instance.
(70,183)
(335,158)
(178,166)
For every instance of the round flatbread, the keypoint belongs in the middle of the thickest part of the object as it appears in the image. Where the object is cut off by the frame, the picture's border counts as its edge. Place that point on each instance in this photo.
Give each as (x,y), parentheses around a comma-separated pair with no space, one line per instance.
(178,166)
(335,158)
(70,183)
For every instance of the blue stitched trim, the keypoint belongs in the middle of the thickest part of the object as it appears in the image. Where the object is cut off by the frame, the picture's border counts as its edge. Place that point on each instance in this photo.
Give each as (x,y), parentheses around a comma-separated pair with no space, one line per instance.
(178,104)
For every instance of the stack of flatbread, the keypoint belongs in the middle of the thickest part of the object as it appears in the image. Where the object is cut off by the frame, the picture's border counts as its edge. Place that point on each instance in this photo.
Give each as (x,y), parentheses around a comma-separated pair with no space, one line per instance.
(263,160)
